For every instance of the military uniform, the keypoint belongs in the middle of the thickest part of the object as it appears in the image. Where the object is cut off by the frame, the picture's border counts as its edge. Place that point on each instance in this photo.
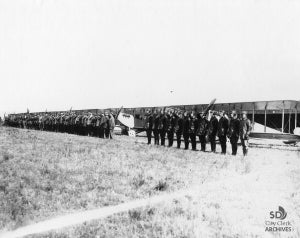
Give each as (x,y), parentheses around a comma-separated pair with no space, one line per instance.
(156,123)
(171,129)
(233,133)
(67,123)
(202,131)
(245,129)
(212,132)
(107,127)
(186,131)
(111,121)
(149,126)
(89,125)
(97,125)
(179,129)
(72,124)
(41,123)
(103,125)
(163,129)
(61,123)
(222,132)
(193,130)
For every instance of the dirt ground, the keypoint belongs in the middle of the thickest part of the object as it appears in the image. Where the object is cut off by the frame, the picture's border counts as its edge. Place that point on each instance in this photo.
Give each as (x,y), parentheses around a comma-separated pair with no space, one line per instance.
(45,175)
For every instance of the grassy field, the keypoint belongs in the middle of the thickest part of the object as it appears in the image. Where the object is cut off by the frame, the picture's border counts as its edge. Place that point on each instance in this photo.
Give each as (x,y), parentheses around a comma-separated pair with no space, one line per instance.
(44,175)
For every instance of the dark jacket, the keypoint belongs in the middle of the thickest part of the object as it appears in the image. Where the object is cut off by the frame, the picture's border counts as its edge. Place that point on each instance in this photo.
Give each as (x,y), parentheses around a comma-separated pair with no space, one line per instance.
(156,122)
(171,123)
(213,127)
(234,128)
(186,125)
(194,125)
(203,125)
(149,122)
(223,126)
(179,125)
(103,122)
(163,124)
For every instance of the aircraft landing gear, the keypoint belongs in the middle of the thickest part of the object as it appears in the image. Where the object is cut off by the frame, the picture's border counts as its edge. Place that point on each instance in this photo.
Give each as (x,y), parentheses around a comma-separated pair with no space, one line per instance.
(131,133)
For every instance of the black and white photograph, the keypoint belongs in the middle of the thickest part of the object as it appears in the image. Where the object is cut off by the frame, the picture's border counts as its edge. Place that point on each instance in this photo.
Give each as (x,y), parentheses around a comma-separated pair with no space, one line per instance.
(149,118)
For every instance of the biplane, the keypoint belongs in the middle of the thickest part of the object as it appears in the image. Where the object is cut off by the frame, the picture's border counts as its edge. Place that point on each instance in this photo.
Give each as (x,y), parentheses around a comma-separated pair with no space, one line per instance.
(270,119)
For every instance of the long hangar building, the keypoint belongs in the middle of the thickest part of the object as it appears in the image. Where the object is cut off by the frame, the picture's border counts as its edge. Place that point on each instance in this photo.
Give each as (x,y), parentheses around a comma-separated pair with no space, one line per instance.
(281,115)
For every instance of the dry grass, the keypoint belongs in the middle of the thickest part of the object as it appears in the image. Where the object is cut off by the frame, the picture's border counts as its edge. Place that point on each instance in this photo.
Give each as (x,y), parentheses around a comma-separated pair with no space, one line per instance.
(46,174)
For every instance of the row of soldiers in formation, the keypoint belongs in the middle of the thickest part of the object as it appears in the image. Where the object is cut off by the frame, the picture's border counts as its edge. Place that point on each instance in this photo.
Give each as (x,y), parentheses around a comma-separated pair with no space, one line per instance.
(160,124)
(207,128)
(98,125)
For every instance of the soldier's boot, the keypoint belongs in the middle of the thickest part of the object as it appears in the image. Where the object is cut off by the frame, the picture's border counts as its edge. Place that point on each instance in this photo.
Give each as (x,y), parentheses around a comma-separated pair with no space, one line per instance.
(178,139)
(245,151)
(223,146)
(149,137)
(178,142)
(212,147)
(234,149)
(203,146)
(186,144)
(162,141)
(170,142)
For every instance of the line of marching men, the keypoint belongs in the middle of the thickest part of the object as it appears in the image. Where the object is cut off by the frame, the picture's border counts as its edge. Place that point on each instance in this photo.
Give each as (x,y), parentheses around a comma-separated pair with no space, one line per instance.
(189,126)
(98,125)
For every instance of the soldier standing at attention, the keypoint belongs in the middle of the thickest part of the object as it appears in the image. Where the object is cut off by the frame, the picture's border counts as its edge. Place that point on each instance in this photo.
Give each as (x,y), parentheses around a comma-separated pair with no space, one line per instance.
(41,123)
(77,125)
(93,125)
(222,131)
(171,128)
(149,125)
(61,123)
(84,124)
(179,128)
(156,128)
(67,123)
(163,128)
(73,126)
(245,129)
(102,126)
(111,125)
(168,122)
(97,125)
(193,129)
(107,125)
(89,127)
(234,130)
(186,130)
(212,131)
(202,130)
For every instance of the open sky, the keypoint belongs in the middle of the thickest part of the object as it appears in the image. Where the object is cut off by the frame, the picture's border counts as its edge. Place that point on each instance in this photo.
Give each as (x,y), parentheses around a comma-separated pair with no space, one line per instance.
(58,54)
